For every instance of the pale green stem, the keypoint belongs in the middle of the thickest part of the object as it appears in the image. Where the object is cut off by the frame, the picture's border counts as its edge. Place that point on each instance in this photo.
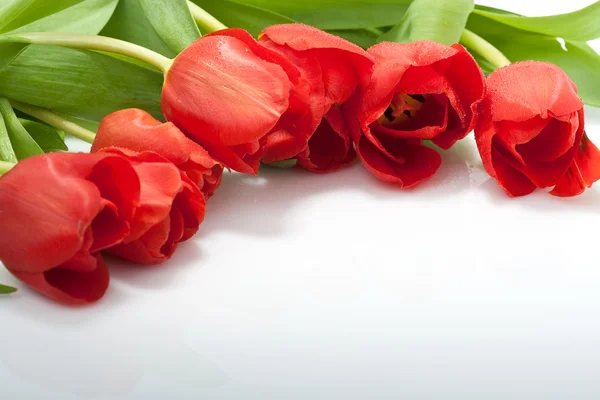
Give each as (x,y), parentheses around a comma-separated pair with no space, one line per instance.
(484,49)
(5,167)
(56,121)
(205,21)
(99,43)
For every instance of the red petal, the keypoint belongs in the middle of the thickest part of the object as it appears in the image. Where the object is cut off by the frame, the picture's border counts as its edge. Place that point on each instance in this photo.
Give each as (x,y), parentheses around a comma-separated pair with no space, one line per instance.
(148,249)
(468,82)
(509,178)
(160,183)
(429,121)
(136,130)
(398,161)
(221,94)
(330,147)
(583,172)
(423,68)
(192,206)
(344,65)
(528,89)
(67,285)
(50,227)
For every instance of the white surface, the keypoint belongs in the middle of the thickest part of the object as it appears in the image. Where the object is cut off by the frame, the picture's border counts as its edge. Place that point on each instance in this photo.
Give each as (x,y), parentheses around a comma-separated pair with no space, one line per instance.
(304,286)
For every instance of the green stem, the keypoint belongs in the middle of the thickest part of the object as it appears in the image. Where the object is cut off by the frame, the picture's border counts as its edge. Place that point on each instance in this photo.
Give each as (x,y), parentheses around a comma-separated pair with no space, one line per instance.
(99,43)
(484,49)
(56,121)
(205,21)
(5,167)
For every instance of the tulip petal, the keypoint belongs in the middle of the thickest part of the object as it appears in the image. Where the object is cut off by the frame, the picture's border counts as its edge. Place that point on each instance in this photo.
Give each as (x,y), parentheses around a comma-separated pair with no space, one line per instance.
(344,65)
(398,161)
(582,173)
(149,248)
(68,285)
(221,94)
(429,121)
(330,147)
(62,203)
(527,89)
(137,130)
(509,178)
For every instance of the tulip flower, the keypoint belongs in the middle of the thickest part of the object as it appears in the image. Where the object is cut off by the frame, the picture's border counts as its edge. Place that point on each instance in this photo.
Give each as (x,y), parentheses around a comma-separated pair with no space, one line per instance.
(530,132)
(57,212)
(228,93)
(333,69)
(418,91)
(171,207)
(136,130)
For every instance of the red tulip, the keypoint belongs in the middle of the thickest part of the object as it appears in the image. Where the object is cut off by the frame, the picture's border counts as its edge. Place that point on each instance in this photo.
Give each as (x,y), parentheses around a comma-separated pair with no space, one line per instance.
(136,130)
(228,93)
(531,134)
(418,91)
(333,68)
(57,212)
(170,209)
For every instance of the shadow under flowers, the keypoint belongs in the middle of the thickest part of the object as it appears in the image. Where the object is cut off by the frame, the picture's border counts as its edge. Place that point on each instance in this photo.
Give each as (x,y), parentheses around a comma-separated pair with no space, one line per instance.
(257,205)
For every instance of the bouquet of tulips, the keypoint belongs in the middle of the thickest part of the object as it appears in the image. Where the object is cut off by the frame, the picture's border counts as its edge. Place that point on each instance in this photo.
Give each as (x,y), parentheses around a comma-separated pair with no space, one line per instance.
(171,93)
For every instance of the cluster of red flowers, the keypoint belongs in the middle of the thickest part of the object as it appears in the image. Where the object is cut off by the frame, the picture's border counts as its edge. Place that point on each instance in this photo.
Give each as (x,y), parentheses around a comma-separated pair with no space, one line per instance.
(295,93)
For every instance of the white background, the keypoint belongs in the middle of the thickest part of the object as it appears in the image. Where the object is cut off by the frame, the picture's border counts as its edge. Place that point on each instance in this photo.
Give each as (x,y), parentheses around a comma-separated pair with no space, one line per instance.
(338,286)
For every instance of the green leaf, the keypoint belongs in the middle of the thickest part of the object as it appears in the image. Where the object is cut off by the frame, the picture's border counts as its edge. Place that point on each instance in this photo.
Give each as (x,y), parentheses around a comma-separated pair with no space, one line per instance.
(9,51)
(580,25)
(87,16)
(22,143)
(328,14)
(440,21)
(139,32)
(362,37)
(7,289)
(11,9)
(80,83)
(233,14)
(48,138)
(172,21)
(6,150)
(579,61)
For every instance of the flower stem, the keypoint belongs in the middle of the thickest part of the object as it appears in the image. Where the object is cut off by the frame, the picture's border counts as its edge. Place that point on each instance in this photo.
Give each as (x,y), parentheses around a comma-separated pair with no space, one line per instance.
(205,21)
(5,167)
(56,121)
(484,49)
(100,43)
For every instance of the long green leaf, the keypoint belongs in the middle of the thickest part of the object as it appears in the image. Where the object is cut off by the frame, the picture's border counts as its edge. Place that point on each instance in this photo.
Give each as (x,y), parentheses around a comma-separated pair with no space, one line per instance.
(363,37)
(233,14)
(11,9)
(22,143)
(7,289)
(49,139)
(9,51)
(579,61)
(328,14)
(130,24)
(440,21)
(6,150)
(580,25)
(80,83)
(172,21)
(88,16)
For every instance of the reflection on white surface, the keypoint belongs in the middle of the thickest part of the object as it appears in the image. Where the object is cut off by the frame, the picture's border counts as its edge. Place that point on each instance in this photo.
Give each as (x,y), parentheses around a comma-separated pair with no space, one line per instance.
(338,286)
